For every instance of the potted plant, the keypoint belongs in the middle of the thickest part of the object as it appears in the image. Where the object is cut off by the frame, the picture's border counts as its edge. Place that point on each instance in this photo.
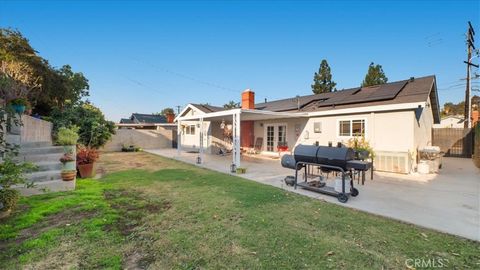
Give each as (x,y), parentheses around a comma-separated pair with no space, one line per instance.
(68,137)
(11,173)
(19,105)
(86,157)
(68,175)
(68,162)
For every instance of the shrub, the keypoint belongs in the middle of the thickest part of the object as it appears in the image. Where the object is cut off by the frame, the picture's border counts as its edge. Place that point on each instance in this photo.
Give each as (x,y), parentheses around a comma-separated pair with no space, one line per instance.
(8,199)
(86,155)
(93,129)
(11,173)
(360,144)
(67,136)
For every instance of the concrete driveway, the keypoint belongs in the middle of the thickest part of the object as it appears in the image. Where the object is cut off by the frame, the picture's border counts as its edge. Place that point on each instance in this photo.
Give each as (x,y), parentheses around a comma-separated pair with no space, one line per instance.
(447,202)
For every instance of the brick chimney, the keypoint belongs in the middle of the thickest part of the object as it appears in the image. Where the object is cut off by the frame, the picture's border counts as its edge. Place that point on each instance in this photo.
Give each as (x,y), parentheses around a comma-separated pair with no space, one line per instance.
(247,135)
(248,99)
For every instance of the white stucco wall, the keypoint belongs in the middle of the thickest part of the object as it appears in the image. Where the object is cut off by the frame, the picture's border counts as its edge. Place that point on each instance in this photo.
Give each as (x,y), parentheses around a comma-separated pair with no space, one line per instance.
(386,131)
(450,122)
(144,138)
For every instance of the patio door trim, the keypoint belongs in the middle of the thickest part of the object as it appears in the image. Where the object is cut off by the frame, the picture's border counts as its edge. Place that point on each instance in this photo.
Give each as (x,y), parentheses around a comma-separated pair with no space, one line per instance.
(275,136)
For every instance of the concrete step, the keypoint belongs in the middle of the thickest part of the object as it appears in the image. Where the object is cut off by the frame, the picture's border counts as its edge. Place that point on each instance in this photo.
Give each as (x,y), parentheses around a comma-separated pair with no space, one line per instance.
(25,151)
(42,176)
(49,165)
(35,144)
(40,157)
(46,187)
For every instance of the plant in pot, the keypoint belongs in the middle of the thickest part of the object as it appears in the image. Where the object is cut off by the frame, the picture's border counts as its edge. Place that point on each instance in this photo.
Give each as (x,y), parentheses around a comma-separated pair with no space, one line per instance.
(11,173)
(19,105)
(69,171)
(68,137)
(86,157)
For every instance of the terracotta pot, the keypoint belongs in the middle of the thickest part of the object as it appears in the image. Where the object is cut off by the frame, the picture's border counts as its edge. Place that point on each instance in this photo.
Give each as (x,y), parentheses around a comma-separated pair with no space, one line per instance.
(68,175)
(86,170)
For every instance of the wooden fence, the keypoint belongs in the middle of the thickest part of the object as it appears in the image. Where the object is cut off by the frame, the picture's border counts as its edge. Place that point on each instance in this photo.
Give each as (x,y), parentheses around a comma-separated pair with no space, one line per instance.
(454,142)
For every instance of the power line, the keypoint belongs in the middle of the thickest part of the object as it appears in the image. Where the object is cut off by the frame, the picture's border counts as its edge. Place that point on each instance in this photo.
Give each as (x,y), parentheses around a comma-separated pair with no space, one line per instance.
(188,77)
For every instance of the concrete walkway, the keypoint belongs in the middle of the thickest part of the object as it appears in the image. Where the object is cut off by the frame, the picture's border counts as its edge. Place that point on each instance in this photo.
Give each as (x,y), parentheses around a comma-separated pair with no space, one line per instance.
(447,202)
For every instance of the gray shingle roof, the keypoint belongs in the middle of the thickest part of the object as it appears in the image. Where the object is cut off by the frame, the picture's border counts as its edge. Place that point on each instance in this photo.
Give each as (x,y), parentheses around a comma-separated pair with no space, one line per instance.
(208,108)
(406,91)
(126,121)
(148,118)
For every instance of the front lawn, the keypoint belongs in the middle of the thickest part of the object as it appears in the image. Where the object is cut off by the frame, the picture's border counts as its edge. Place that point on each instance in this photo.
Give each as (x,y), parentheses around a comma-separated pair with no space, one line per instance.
(152,212)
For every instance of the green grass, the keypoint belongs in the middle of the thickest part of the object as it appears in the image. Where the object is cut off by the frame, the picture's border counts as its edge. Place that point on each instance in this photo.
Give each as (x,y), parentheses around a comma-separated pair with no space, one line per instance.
(184,217)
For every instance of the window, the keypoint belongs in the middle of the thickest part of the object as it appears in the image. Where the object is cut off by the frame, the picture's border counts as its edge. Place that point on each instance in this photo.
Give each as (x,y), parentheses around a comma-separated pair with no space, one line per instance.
(282,135)
(317,127)
(349,128)
(190,130)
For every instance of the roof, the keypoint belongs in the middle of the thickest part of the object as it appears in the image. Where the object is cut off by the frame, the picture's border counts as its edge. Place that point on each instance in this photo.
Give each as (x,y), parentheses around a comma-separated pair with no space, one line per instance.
(126,121)
(148,118)
(206,108)
(406,91)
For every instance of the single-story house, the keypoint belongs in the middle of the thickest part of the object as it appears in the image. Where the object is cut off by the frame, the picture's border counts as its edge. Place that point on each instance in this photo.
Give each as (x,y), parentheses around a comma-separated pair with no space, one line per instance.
(396,118)
(145,121)
(451,121)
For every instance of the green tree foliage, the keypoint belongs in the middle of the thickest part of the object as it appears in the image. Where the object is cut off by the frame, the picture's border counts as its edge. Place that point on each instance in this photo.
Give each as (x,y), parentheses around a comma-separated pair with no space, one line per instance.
(48,87)
(375,76)
(166,111)
(93,129)
(231,105)
(322,80)
(450,108)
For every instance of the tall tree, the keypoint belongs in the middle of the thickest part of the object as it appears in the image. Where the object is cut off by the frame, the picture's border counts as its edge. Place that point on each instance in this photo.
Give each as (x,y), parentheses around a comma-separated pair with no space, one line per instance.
(322,80)
(29,75)
(166,111)
(231,105)
(375,75)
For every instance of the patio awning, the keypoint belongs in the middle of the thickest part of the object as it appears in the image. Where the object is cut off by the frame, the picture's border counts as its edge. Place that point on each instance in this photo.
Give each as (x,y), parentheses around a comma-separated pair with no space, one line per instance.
(246,115)
(237,115)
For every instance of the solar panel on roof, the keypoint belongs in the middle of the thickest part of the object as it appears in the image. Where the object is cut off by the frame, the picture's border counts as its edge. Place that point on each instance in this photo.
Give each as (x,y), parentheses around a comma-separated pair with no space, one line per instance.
(366,94)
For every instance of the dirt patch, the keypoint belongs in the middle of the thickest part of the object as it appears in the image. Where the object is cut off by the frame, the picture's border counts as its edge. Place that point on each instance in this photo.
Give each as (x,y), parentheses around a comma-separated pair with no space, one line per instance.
(67,217)
(133,207)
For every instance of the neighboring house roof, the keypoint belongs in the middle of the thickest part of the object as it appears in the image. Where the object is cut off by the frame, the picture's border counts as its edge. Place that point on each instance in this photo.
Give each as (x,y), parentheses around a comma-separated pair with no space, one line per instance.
(126,121)
(148,118)
(206,108)
(459,117)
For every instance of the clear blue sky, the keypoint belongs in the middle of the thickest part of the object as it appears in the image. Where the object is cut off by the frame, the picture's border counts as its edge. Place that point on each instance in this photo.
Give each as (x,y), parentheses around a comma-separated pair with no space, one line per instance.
(144,56)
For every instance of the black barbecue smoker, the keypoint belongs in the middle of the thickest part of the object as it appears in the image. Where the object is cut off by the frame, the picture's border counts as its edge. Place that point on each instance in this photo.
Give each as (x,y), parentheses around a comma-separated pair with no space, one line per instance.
(338,160)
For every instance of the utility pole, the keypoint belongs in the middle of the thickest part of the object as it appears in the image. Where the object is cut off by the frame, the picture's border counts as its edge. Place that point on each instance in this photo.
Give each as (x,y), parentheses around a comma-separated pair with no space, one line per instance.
(470,46)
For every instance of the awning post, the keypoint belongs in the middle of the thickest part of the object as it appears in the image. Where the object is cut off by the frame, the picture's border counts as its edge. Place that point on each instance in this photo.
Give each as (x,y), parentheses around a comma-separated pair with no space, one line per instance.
(179,142)
(236,139)
(200,153)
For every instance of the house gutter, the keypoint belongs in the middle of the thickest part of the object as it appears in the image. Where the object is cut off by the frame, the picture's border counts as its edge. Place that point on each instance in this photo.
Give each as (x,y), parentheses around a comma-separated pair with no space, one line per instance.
(378,108)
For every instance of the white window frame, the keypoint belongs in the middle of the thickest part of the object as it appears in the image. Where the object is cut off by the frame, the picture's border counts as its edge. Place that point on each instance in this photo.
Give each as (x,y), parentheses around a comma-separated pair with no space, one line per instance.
(365,121)
(188,129)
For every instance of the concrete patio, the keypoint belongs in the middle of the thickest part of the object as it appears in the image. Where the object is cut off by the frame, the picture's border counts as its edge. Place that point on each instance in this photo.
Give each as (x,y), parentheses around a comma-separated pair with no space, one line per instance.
(448,202)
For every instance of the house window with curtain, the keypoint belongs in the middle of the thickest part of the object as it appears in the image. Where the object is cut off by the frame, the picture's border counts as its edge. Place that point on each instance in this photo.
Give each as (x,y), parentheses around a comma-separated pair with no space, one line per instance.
(349,128)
